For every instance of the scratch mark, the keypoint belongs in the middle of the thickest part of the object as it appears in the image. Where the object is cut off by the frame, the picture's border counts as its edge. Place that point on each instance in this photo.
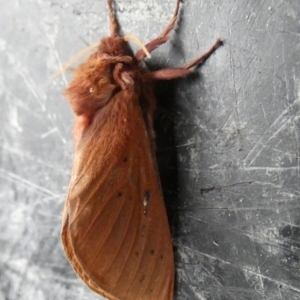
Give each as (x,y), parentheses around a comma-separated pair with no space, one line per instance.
(265,240)
(296,132)
(286,152)
(247,50)
(264,113)
(24,154)
(207,190)
(61,67)
(272,169)
(191,144)
(243,268)
(273,135)
(256,208)
(281,119)
(236,109)
(29,82)
(14,118)
(225,123)
(14,177)
(293,225)
(44,135)
(185,145)
(53,122)
(263,183)
(256,259)
(256,16)
(198,295)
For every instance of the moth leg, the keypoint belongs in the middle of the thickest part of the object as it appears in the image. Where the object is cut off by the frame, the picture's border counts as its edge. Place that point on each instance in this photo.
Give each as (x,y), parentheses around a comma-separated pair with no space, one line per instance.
(172,73)
(140,55)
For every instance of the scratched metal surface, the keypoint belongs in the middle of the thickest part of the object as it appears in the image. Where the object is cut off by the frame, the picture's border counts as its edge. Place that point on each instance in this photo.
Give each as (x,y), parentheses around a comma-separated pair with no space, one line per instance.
(228,144)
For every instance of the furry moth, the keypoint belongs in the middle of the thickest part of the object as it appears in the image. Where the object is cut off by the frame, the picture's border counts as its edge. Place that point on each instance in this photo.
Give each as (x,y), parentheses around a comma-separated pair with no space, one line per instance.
(115,230)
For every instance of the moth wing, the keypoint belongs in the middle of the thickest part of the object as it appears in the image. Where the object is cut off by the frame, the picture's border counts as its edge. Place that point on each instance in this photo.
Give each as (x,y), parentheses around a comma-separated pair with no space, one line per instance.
(115,230)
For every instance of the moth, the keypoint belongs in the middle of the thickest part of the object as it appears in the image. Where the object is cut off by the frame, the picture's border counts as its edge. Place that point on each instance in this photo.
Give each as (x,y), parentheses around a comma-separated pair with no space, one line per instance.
(115,229)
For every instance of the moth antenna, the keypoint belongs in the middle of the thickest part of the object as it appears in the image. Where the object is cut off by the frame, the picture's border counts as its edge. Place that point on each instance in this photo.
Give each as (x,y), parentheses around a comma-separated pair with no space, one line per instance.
(113,20)
(132,37)
(73,59)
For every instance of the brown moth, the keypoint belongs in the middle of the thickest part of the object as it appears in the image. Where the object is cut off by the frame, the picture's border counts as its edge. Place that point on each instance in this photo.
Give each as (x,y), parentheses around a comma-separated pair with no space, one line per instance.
(115,230)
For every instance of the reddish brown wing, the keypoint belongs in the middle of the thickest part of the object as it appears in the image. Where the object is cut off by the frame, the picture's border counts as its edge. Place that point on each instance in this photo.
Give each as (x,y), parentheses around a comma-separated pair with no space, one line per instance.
(115,230)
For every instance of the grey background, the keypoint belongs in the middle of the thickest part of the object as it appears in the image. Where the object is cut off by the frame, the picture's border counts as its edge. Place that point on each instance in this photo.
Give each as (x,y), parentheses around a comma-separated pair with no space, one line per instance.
(228,143)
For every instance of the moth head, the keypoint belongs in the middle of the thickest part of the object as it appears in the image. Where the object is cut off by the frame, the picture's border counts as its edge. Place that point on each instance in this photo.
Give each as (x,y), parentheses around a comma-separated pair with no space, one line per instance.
(91,87)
